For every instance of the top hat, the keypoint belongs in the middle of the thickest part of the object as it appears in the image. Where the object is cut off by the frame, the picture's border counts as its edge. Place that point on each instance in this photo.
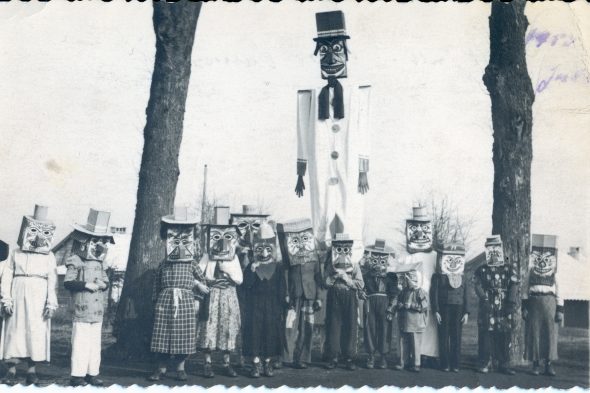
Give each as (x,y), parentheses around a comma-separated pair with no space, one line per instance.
(249,211)
(97,224)
(452,248)
(40,214)
(181,216)
(494,240)
(330,25)
(379,247)
(544,241)
(265,232)
(419,214)
(297,225)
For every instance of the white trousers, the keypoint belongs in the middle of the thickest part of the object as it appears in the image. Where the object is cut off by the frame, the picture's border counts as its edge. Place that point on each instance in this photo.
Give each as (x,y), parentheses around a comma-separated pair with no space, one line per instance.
(86,339)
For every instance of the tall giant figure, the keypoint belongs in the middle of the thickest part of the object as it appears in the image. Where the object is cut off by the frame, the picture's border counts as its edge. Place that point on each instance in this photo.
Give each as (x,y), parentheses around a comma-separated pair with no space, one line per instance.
(332,139)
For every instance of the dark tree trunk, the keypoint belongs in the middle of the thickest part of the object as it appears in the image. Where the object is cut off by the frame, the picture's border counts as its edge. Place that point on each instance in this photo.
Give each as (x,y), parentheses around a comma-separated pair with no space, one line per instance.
(174,25)
(511,92)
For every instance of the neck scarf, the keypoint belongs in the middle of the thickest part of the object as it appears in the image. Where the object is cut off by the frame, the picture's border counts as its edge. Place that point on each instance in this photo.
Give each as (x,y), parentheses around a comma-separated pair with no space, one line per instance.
(324,100)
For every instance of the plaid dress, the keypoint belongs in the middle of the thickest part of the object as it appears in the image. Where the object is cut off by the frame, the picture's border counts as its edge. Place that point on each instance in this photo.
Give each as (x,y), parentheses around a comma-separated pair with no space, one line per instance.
(175,319)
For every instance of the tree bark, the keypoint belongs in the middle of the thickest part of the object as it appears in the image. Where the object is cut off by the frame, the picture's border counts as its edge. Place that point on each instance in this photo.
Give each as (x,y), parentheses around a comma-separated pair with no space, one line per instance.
(174,26)
(511,92)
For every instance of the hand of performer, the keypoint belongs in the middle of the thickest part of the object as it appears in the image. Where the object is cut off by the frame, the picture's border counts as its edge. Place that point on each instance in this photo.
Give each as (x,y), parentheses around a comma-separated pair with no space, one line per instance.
(101,284)
(254,266)
(204,289)
(300,186)
(558,317)
(48,313)
(439,318)
(317,305)
(92,287)
(525,314)
(464,319)
(7,309)
(363,185)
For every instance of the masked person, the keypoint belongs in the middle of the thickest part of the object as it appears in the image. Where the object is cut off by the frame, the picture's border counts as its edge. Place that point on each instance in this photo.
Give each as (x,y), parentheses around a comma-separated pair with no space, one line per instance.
(175,309)
(345,285)
(419,243)
(87,280)
(542,308)
(496,286)
(304,283)
(265,289)
(412,309)
(223,273)
(449,303)
(333,138)
(28,297)
(381,289)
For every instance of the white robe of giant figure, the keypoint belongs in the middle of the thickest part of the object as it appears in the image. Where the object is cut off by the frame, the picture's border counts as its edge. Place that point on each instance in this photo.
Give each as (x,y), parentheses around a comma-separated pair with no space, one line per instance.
(333,144)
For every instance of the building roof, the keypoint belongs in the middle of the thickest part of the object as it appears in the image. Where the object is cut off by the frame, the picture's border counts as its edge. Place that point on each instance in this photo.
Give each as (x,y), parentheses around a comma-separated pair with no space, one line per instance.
(117,255)
(572,275)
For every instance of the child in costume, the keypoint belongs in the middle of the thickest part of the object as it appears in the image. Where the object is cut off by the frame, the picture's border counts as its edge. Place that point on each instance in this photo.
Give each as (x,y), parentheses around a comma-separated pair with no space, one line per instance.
(381,290)
(175,306)
(449,303)
(496,286)
(542,308)
(412,311)
(304,288)
(265,289)
(344,281)
(87,280)
(28,297)
(222,271)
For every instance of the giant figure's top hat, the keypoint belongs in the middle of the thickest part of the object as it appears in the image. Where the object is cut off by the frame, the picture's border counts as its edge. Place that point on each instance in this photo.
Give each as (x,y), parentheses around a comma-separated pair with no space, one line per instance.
(330,25)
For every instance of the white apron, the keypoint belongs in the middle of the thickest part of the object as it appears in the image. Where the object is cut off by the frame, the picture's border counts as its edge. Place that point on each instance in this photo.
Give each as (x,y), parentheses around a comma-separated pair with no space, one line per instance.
(332,149)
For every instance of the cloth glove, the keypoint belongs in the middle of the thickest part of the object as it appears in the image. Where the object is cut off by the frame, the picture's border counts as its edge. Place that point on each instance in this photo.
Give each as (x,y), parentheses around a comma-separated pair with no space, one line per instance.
(317,305)
(363,185)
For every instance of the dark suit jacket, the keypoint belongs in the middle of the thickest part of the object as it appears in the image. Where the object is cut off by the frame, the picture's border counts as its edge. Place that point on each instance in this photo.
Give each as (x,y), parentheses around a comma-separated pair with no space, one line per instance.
(304,280)
(442,293)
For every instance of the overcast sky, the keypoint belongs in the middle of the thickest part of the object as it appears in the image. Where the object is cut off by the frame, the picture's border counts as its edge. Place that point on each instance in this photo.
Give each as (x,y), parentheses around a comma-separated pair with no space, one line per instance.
(75,82)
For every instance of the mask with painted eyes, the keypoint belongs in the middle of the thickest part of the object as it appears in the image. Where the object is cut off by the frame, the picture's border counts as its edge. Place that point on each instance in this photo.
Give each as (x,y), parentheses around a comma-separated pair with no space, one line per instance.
(264,251)
(418,236)
(342,255)
(413,279)
(333,57)
(300,247)
(248,227)
(544,261)
(222,242)
(180,243)
(494,255)
(90,248)
(376,263)
(36,236)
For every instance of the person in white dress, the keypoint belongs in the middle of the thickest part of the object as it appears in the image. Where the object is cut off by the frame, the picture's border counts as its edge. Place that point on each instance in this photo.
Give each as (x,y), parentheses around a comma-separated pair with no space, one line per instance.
(29,297)
(333,139)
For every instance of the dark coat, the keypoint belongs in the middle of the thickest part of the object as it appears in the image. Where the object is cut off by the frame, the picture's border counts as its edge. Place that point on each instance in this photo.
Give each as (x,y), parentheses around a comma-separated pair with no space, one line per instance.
(304,280)
(442,293)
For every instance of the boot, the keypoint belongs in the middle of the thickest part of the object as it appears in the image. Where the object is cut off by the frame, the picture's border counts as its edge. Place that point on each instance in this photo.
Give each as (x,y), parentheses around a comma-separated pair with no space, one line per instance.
(350,366)
(382,363)
(549,369)
(229,370)
(268,371)
(10,379)
(332,364)
(208,370)
(94,380)
(78,381)
(255,372)
(536,368)
(156,376)
(370,361)
(32,379)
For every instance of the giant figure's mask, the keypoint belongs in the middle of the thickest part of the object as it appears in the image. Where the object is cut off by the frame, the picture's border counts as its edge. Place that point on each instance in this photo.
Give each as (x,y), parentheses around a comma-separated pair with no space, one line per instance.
(543,260)
(36,232)
(91,240)
(494,251)
(376,258)
(179,234)
(342,252)
(297,242)
(331,44)
(419,231)
(248,224)
(451,262)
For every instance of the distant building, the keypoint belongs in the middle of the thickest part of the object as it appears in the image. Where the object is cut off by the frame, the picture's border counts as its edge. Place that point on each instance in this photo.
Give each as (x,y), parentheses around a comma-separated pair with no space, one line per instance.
(572,280)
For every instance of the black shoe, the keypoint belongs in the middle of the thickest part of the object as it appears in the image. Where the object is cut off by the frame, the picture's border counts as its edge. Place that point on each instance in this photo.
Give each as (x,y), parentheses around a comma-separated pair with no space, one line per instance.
(208,370)
(94,380)
(332,364)
(414,369)
(455,369)
(300,365)
(370,362)
(229,370)
(10,379)
(278,365)
(445,369)
(156,376)
(32,379)
(507,370)
(181,375)
(268,371)
(549,370)
(255,372)
(78,381)
(350,366)
(382,363)
(398,367)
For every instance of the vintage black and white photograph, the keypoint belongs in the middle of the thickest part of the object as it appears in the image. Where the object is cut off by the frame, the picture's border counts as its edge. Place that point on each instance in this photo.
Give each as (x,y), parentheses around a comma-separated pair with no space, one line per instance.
(294,194)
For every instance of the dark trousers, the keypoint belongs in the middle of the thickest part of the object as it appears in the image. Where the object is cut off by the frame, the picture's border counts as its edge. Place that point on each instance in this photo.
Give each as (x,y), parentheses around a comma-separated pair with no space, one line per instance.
(341,323)
(449,335)
(377,329)
(298,338)
(493,345)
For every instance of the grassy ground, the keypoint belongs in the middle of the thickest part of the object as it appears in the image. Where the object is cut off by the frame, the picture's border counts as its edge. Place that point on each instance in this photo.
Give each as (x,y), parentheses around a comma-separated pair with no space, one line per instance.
(572,368)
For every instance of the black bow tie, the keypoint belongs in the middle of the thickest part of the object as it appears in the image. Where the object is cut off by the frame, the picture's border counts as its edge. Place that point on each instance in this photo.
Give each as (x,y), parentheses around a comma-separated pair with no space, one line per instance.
(338,101)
